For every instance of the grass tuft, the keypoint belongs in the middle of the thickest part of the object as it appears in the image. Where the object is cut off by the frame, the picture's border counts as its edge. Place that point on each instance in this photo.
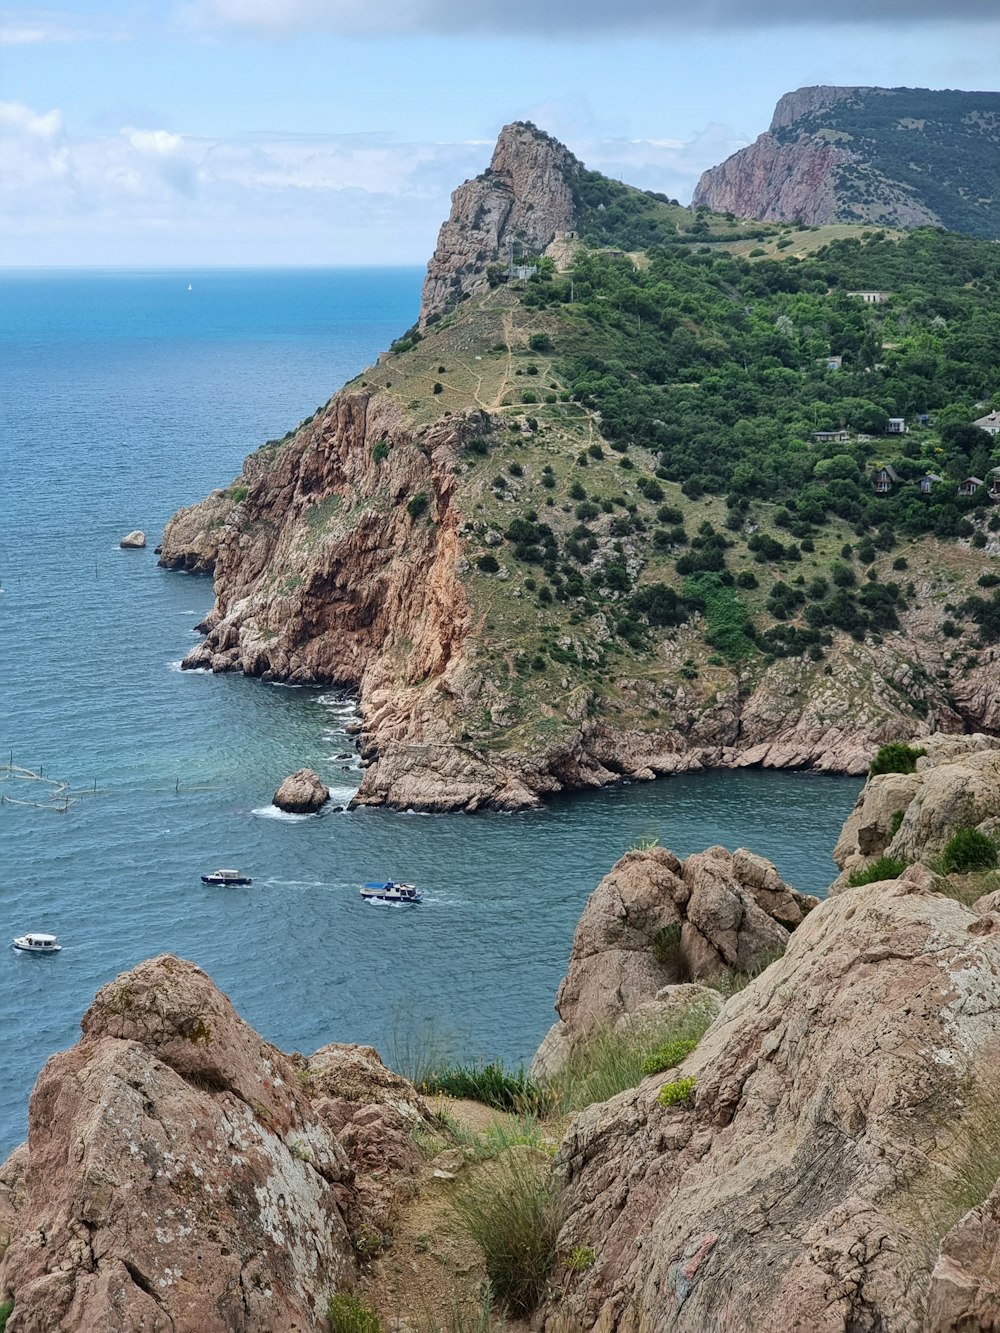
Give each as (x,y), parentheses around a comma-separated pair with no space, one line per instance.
(610,1061)
(347,1314)
(886,867)
(968,850)
(513,1212)
(491,1084)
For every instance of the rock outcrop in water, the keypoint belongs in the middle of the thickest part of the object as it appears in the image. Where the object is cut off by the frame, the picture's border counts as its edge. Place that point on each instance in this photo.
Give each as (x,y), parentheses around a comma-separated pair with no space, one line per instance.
(133,541)
(302,793)
(182,1173)
(656,924)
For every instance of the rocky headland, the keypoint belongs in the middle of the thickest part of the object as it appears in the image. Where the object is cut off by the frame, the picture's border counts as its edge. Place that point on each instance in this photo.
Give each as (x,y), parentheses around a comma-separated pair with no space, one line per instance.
(868,155)
(391,544)
(825,1158)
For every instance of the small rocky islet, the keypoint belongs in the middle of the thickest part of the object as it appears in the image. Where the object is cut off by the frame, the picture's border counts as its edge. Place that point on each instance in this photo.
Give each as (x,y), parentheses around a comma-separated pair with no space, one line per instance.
(825,1156)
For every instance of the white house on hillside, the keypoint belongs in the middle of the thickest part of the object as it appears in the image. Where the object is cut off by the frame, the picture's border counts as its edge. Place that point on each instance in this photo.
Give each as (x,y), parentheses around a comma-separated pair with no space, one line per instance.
(989,423)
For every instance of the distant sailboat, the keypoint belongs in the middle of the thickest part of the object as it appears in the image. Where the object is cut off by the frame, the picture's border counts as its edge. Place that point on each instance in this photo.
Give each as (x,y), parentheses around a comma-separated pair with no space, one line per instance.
(189,286)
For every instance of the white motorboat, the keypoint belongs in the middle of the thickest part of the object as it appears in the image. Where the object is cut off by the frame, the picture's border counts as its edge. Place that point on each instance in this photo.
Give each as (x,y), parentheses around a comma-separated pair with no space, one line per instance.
(390,892)
(226,877)
(37,943)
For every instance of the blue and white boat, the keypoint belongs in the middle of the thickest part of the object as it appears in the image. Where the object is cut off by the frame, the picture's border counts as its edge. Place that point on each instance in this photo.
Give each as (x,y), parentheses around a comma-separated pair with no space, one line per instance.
(389,891)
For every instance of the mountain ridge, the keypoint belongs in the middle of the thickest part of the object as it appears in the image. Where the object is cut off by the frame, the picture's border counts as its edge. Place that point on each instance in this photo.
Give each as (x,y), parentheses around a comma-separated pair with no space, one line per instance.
(902,157)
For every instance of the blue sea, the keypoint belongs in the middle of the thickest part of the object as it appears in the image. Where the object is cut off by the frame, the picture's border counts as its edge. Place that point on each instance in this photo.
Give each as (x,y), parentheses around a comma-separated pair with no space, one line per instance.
(126,395)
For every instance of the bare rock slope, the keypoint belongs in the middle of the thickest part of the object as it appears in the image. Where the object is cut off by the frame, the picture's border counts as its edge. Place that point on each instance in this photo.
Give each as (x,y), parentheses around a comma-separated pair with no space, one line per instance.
(655,927)
(814,1176)
(181,1173)
(901,157)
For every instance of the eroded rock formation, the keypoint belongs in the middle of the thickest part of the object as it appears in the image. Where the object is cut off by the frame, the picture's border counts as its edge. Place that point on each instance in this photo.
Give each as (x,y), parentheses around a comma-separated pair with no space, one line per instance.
(654,925)
(133,541)
(786,176)
(810,1176)
(521,203)
(182,1173)
(911,816)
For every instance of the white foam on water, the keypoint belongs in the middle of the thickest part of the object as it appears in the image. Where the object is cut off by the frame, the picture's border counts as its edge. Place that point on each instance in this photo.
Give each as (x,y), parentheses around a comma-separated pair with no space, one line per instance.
(272,812)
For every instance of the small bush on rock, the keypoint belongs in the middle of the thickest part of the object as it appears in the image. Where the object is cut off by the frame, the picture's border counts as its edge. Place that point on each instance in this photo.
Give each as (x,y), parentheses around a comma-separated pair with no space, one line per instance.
(968,850)
(668,1056)
(896,757)
(673,1094)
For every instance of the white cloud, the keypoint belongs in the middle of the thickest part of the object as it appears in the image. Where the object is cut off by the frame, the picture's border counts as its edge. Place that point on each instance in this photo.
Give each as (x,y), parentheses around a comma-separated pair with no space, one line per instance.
(271,18)
(147,195)
(34,27)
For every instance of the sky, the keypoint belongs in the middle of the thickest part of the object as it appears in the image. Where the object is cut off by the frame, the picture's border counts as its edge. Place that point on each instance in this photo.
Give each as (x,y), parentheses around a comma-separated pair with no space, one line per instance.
(193,133)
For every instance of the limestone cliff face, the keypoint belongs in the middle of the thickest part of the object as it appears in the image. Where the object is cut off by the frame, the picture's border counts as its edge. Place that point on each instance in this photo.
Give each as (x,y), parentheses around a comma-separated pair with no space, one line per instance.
(799,170)
(519,204)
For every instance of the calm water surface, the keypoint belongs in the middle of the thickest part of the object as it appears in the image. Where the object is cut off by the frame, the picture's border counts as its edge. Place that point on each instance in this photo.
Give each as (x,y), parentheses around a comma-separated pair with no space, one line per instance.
(125,396)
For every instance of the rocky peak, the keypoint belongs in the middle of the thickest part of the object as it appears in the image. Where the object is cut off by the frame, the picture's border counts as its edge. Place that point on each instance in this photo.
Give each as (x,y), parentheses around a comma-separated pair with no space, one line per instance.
(516,207)
(804,101)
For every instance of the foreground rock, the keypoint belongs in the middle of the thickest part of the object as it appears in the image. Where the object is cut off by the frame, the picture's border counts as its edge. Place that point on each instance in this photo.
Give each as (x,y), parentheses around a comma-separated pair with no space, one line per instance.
(182,1173)
(820,1168)
(134,541)
(303,793)
(911,816)
(654,925)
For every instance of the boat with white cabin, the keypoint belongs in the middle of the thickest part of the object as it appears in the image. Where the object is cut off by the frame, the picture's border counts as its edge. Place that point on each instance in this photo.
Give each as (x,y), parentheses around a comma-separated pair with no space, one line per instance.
(389,891)
(37,942)
(227,878)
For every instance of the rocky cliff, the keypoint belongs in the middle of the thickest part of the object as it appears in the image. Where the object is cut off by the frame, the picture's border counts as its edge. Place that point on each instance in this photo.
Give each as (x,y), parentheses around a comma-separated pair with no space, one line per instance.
(521,203)
(898,157)
(426,540)
(181,1173)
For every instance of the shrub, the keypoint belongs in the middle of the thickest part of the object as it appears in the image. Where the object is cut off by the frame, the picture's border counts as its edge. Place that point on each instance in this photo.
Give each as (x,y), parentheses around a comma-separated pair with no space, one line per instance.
(539,342)
(680,1090)
(381,452)
(886,867)
(512,1211)
(968,850)
(896,757)
(438,387)
(489,564)
(580,1258)
(349,1315)
(516,470)
(668,1055)
(417,505)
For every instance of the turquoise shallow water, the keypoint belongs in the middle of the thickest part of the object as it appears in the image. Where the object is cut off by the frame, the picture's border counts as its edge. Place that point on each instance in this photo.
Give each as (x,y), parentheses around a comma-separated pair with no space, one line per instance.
(126,395)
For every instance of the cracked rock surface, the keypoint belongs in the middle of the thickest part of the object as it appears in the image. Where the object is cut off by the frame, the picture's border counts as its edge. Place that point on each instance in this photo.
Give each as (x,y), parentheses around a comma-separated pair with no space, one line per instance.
(814,1179)
(183,1174)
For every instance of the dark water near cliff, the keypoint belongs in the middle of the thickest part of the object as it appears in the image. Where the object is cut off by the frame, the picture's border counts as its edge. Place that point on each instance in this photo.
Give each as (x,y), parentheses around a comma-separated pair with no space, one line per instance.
(126,395)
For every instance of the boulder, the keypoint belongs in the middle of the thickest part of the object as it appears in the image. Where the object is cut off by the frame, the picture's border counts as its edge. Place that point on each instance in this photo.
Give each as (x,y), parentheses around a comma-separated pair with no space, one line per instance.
(302,793)
(177,1175)
(134,541)
(840,1123)
(657,922)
